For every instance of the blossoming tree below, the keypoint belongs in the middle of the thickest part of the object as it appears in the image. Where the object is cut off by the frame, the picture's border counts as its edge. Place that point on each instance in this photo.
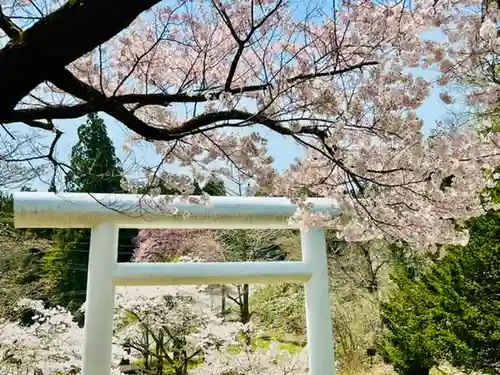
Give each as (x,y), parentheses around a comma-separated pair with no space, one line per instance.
(156,328)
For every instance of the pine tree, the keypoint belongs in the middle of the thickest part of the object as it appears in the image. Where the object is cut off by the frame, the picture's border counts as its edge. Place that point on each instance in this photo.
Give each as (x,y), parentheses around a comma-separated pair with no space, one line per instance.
(95,168)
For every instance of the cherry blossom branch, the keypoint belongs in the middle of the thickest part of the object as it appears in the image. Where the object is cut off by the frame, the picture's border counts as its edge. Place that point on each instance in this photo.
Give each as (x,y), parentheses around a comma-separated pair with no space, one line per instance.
(56,112)
(96,100)
(241,42)
(69,83)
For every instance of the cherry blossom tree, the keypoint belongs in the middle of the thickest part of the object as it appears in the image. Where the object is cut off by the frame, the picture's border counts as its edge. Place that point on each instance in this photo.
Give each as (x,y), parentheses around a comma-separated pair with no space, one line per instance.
(175,328)
(262,361)
(196,78)
(169,328)
(162,245)
(52,344)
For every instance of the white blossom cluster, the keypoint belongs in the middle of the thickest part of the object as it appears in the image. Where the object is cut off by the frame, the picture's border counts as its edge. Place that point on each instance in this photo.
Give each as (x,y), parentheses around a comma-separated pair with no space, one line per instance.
(169,324)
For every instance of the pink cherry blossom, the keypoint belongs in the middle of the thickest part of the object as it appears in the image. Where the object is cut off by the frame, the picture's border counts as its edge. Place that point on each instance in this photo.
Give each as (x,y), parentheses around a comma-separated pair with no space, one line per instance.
(156,245)
(144,316)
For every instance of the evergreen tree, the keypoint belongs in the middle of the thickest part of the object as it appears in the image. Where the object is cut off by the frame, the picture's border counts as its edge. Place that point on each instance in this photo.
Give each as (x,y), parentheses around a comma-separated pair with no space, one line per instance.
(198,190)
(95,166)
(451,310)
(95,169)
(52,187)
(214,187)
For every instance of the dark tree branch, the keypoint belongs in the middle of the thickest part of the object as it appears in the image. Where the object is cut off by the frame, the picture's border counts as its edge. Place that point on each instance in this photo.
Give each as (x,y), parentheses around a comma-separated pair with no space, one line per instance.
(96,100)
(56,112)
(241,42)
(305,77)
(40,125)
(68,82)
(57,40)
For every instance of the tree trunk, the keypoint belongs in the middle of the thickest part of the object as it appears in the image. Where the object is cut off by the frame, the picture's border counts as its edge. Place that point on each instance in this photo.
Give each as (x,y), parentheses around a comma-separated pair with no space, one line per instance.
(223,300)
(245,308)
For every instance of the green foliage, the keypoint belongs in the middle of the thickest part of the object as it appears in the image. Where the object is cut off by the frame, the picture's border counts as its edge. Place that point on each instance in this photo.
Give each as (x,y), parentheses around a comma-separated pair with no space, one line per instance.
(451,311)
(248,245)
(65,267)
(280,308)
(6,211)
(20,261)
(292,348)
(20,270)
(214,188)
(410,344)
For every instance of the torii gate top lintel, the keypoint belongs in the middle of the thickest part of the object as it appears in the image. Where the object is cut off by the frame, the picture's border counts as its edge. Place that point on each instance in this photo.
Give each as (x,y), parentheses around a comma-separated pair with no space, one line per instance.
(82,210)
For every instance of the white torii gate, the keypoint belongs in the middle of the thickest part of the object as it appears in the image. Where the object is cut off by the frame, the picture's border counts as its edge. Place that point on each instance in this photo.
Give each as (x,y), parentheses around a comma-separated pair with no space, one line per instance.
(106,213)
